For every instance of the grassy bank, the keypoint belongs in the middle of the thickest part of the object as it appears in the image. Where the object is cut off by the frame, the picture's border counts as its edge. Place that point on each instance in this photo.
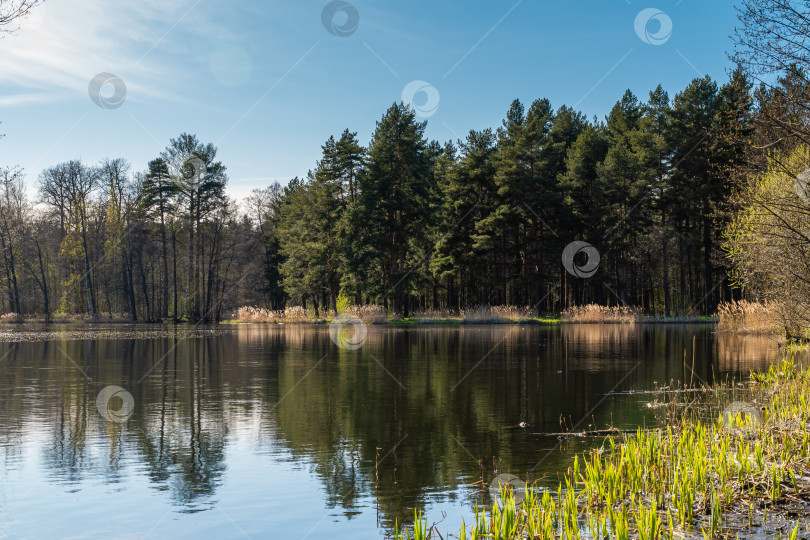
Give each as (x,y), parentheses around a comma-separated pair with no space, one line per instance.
(745,472)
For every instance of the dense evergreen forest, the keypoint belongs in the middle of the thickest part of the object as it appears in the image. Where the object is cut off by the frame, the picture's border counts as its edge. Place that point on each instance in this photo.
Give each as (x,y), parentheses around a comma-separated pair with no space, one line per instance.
(403,222)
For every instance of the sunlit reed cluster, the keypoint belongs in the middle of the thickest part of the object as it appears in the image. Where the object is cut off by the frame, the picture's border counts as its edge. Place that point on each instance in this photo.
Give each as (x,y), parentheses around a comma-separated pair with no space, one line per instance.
(593,313)
(744,317)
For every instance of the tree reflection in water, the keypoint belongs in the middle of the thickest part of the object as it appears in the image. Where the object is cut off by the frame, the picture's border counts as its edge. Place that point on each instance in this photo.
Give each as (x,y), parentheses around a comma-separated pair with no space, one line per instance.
(393,439)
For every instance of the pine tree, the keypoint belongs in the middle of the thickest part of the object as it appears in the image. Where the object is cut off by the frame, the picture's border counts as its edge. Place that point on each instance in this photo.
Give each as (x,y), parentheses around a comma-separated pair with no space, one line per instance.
(693,130)
(159,193)
(464,260)
(201,184)
(391,207)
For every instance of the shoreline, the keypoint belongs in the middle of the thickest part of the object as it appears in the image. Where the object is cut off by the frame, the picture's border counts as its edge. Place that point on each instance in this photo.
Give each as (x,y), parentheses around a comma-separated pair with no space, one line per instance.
(391,322)
(725,469)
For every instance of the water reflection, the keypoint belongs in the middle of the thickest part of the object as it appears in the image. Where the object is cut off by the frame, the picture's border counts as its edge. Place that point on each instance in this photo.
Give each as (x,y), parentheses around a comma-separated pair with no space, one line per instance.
(414,418)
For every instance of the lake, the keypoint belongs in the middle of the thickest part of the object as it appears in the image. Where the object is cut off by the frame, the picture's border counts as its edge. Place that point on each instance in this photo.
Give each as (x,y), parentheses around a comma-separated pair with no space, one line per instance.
(257,431)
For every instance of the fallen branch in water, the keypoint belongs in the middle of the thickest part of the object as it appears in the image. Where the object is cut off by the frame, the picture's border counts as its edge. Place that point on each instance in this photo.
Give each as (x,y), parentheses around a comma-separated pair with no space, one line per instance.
(593,433)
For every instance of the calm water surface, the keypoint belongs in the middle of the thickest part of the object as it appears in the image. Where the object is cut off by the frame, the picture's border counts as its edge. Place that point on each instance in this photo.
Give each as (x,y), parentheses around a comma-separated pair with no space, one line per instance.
(259,431)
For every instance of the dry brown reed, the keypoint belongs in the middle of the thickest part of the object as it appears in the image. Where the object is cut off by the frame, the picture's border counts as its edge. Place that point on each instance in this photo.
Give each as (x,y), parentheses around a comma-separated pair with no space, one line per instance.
(744,317)
(496,314)
(378,315)
(368,314)
(66,318)
(593,313)
(293,314)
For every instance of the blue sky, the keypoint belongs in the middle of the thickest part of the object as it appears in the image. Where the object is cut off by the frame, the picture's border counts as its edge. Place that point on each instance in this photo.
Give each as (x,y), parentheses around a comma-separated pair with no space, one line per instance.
(267,82)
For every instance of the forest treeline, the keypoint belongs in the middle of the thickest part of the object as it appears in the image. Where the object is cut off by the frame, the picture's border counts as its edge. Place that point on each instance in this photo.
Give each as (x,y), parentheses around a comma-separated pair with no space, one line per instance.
(403,222)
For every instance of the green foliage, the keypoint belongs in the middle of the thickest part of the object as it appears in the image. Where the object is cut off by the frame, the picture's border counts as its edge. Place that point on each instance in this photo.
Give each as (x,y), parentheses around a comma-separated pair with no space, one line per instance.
(768,237)
(343,302)
(312,224)
(410,225)
(391,209)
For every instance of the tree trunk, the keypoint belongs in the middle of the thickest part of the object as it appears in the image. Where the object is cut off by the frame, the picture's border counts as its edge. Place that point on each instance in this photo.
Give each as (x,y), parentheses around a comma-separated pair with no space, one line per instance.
(44,284)
(174,272)
(164,312)
(145,289)
(707,261)
(130,284)
(190,279)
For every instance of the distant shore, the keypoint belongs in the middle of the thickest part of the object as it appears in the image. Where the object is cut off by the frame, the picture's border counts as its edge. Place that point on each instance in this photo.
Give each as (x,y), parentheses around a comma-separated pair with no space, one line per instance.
(739,317)
(408,321)
(534,321)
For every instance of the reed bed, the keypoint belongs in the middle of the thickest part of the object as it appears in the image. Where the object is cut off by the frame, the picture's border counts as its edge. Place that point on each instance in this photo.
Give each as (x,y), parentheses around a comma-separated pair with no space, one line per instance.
(693,318)
(66,318)
(368,314)
(377,315)
(744,317)
(436,315)
(297,314)
(496,314)
(103,317)
(594,313)
(743,474)
(738,317)
(293,314)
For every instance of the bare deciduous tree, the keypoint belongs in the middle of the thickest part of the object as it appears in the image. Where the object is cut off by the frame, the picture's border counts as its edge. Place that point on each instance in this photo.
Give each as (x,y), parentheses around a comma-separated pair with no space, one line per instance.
(13,216)
(13,10)
(772,44)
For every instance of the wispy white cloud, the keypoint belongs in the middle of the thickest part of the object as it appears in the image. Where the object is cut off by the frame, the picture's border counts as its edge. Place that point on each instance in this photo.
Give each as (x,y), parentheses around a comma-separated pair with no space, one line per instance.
(70,41)
(30,98)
